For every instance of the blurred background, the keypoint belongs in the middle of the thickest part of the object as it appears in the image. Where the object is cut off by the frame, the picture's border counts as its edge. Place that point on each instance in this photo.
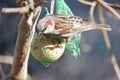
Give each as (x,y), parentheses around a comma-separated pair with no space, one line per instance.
(92,64)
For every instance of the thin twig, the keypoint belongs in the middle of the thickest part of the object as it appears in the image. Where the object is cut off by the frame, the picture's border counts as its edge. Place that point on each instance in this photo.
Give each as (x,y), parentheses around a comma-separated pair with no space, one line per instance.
(86,2)
(115,6)
(6,59)
(16,10)
(108,45)
(106,5)
(93,5)
(26,9)
(31,1)
(1,71)
(91,14)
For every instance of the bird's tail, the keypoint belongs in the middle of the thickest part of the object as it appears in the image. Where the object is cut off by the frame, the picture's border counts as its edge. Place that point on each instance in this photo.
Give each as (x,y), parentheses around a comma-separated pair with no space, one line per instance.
(94,27)
(102,27)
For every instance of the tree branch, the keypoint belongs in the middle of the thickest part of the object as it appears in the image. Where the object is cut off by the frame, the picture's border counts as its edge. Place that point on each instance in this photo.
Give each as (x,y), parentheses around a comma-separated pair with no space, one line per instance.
(26,9)
(6,59)
(20,10)
(106,5)
(91,14)
(108,45)
(1,71)
(115,6)
(31,1)
(22,50)
(86,2)
(93,5)
(105,34)
(26,32)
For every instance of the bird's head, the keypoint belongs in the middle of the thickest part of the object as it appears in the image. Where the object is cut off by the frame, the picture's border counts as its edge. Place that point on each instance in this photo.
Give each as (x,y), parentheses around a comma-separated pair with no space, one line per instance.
(46,25)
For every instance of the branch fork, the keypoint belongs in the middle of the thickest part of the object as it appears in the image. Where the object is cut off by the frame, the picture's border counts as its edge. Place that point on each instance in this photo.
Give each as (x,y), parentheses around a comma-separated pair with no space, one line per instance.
(26,30)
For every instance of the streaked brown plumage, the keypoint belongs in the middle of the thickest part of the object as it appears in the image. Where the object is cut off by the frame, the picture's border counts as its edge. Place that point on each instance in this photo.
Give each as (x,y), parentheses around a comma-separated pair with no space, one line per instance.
(67,26)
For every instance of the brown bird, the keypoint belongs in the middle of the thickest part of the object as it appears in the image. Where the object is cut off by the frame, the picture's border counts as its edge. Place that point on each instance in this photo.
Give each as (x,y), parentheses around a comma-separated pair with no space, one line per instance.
(67,26)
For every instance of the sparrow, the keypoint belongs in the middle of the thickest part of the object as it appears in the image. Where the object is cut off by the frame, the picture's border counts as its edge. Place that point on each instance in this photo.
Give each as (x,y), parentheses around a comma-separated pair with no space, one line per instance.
(67,26)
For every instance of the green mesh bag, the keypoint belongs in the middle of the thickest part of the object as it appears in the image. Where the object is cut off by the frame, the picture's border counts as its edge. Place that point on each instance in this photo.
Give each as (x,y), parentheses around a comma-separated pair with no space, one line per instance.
(46,56)
(73,45)
(47,48)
